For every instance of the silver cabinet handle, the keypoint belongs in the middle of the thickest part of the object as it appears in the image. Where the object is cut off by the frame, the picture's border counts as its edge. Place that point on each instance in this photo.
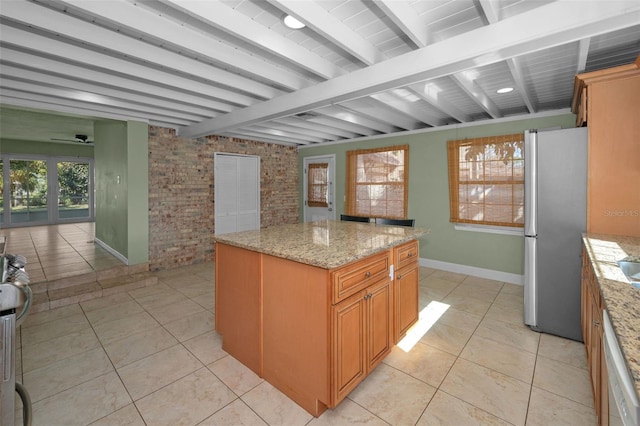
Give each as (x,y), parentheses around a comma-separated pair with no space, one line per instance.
(367,274)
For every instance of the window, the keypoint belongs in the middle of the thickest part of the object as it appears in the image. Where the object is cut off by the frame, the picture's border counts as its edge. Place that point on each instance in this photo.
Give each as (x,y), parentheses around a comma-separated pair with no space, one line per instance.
(318,185)
(486,180)
(377,182)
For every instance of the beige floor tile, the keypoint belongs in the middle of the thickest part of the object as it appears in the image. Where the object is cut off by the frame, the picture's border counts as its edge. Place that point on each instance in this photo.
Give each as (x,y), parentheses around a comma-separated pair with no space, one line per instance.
(274,407)
(563,350)
(489,390)
(428,295)
(149,374)
(187,401)
(564,380)
(546,408)
(460,319)
(66,373)
(445,409)
(448,339)
(119,329)
(114,312)
(516,289)
(439,286)
(491,286)
(415,361)
(501,357)
(206,300)
(54,329)
(239,378)
(513,314)
(237,413)
(160,298)
(480,290)
(193,289)
(42,354)
(140,345)
(347,413)
(449,276)
(176,311)
(149,291)
(126,416)
(517,335)
(510,299)
(465,302)
(82,404)
(206,347)
(191,326)
(38,318)
(105,302)
(392,395)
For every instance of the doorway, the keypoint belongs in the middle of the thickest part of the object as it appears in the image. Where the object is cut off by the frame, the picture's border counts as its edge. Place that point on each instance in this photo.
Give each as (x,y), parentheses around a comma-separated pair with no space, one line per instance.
(236,180)
(38,190)
(319,194)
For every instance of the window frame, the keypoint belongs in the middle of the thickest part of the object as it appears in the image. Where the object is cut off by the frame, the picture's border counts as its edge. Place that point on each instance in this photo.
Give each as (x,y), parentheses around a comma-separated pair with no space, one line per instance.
(351,203)
(516,182)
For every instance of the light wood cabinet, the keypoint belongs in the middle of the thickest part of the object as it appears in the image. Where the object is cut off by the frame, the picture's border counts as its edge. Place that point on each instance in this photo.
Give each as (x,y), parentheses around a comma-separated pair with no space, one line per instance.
(592,313)
(314,333)
(406,288)
(363,331)
(607,102)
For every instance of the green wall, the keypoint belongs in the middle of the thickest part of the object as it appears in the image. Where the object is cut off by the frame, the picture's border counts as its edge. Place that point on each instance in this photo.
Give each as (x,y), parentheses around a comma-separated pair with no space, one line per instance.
(429,193)
(121,168)
(10,146)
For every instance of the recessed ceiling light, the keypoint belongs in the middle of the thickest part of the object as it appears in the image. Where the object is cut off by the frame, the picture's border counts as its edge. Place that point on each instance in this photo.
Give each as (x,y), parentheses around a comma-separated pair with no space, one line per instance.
(293,23)
(505,90)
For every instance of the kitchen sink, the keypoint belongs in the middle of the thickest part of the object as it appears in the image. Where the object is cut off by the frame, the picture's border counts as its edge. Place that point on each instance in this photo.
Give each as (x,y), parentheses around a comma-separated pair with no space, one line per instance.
(632,270)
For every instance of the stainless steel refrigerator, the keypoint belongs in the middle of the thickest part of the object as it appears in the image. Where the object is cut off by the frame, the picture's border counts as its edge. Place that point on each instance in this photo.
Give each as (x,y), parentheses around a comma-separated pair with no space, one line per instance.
(555,217)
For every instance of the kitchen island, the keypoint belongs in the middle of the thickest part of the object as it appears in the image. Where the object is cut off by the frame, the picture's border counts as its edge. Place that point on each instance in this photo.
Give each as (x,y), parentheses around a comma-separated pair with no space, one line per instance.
(314,307)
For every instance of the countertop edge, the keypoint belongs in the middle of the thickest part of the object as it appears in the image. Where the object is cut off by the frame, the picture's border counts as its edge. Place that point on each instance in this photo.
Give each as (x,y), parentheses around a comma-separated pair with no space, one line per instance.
(621,299)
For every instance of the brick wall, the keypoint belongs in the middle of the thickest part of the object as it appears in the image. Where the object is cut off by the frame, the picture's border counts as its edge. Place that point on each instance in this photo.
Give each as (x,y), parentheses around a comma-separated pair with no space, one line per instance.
(181,205)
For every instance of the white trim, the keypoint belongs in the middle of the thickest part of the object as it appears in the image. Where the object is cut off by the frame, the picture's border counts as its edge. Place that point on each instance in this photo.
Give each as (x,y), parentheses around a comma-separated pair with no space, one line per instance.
(111,250)
(506,277)
(489,229)
(543,114)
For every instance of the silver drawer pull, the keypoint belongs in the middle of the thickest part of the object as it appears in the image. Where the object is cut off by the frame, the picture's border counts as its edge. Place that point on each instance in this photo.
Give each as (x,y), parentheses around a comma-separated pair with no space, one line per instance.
(367,274)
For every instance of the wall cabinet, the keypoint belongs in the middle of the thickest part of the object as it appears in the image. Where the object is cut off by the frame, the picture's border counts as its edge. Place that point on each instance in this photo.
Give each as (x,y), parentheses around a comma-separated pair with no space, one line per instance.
(592,308)
(607,102)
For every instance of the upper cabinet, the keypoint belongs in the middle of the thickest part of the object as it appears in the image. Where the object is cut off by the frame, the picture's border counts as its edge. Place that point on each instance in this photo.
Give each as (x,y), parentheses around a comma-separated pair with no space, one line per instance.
(608,102)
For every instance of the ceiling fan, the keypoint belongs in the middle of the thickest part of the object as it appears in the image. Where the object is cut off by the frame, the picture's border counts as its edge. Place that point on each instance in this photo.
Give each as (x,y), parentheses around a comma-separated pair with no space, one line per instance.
(78,139)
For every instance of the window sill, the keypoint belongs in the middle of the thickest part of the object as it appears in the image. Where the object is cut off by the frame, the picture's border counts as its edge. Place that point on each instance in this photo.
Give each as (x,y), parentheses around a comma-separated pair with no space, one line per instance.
(505,230)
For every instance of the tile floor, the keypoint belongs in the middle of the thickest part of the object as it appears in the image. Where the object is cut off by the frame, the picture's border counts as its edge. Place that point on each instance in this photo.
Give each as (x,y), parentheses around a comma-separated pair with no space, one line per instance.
(151,356)
(58,251)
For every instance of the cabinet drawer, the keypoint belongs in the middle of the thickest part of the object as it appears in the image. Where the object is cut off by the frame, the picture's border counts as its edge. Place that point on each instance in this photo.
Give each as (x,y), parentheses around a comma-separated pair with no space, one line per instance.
(352,278)
(406,254)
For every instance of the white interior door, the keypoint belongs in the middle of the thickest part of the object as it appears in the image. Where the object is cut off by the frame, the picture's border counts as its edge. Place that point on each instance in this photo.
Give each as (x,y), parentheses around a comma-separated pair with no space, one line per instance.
(236,193)
(319,194)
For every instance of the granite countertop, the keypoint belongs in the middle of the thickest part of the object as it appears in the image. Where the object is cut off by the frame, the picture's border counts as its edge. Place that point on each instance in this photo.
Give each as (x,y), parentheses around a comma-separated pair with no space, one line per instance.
(327,244)
(622,300)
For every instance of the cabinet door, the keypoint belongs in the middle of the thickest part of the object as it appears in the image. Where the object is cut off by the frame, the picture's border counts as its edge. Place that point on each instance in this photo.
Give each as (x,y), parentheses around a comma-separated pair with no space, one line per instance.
(349,344)
(406,295)
(379,323)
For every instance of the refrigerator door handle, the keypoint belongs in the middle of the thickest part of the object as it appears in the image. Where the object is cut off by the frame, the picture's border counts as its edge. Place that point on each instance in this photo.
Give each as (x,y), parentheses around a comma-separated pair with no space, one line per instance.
(530,182)
(530,282)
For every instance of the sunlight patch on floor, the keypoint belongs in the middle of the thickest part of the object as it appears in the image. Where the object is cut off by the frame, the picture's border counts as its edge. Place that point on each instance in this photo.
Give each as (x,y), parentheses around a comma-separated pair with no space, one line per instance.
(426,318)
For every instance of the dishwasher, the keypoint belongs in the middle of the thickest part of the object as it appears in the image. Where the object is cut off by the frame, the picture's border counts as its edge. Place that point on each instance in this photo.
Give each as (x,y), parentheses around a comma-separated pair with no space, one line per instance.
(624,408)
(15,301)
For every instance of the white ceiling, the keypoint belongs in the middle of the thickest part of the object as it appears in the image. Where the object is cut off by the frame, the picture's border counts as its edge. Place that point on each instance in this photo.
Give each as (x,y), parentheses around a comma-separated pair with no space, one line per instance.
(359,68)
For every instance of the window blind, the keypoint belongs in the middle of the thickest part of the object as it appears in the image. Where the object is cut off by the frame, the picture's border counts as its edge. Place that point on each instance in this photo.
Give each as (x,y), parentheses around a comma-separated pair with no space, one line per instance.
(317,185)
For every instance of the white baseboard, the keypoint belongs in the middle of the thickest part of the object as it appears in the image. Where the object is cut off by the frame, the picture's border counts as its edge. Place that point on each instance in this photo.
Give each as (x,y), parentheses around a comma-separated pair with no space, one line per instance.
(112,251)
(474,271)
